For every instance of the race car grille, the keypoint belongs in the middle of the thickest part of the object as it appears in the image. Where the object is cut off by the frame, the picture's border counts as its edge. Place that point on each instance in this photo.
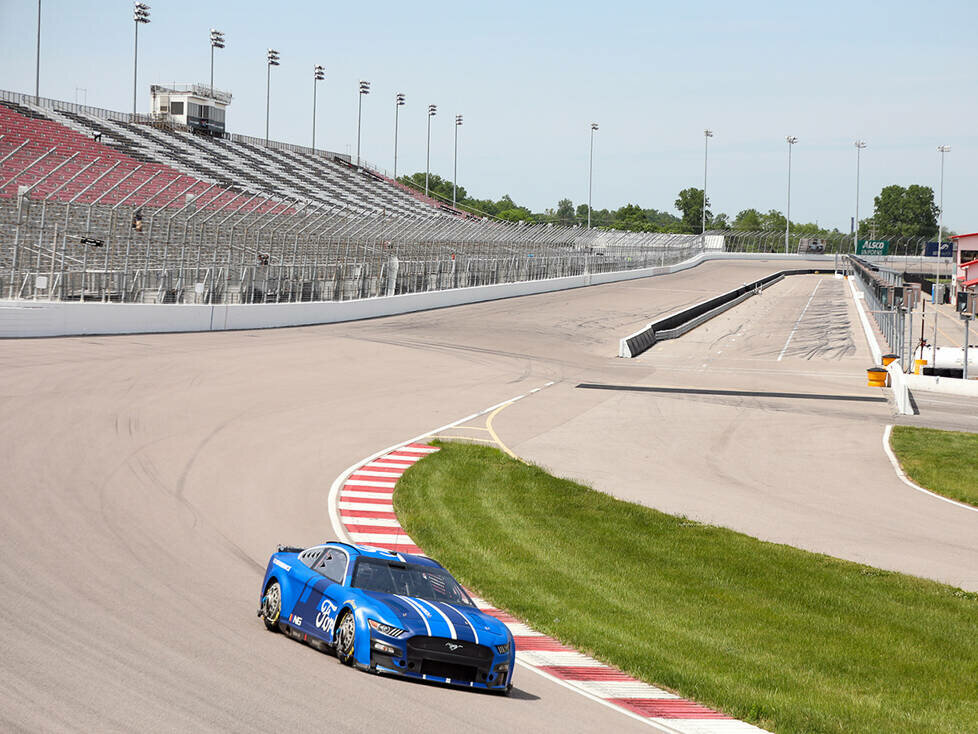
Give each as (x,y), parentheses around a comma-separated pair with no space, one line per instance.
(449,650)
(465,673)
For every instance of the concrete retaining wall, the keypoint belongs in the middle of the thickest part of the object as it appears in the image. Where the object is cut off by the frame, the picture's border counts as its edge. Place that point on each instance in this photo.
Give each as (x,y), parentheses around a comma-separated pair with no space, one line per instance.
(42,318)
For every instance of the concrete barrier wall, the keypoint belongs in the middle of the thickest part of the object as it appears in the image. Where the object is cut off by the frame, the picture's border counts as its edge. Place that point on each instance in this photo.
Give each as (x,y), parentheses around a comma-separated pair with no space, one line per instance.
(55,318)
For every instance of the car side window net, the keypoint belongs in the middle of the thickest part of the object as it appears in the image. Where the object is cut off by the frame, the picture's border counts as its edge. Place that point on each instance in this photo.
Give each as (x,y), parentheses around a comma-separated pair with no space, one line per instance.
(333,565)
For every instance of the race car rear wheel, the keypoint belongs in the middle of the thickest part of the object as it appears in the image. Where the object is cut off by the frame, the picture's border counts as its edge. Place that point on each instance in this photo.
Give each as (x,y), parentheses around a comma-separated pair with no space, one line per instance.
(346,633)
(271,606)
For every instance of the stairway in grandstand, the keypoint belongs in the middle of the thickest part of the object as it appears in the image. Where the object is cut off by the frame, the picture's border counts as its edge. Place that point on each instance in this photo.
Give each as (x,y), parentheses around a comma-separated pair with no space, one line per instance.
(174,160)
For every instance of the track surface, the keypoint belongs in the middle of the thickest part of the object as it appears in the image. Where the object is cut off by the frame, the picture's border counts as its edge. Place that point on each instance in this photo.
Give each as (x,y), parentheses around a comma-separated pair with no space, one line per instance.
(147,478)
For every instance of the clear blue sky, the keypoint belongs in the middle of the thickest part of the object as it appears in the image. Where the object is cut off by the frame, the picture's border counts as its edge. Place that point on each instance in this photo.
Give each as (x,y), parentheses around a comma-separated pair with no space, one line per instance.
(530,77)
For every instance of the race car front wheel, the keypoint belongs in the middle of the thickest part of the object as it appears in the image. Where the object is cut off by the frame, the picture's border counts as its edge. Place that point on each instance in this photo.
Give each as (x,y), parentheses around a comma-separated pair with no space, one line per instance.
(271,606)
(346,632)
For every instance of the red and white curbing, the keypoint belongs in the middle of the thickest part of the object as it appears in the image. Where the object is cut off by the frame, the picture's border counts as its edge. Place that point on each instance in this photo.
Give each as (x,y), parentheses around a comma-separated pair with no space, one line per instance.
(364,506)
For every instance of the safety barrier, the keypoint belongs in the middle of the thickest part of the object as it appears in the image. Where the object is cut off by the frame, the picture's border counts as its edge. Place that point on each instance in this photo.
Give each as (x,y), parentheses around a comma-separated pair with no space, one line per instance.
(679,323)
(21,318)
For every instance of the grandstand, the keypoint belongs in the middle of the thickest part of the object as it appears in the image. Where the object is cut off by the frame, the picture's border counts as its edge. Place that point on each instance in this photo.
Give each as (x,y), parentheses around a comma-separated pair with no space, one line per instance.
(99,205)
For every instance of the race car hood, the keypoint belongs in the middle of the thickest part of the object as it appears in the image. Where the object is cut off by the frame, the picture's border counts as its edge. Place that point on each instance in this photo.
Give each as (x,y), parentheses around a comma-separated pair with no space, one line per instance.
(438,619)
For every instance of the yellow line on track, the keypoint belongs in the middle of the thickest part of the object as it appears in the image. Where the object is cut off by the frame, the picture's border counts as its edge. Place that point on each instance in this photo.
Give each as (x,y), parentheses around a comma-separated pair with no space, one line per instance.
(494,435)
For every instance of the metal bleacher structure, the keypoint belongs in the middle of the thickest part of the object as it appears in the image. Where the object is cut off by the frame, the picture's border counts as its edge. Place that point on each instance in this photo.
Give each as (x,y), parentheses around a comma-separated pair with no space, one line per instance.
(98,205)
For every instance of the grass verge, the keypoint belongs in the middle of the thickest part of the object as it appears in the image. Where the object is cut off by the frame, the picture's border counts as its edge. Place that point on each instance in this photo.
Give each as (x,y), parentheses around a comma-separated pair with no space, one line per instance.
(941,461)
(789,640)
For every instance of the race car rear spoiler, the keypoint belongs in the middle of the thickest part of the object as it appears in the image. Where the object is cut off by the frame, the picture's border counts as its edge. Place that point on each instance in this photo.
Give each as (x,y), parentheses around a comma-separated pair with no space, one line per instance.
(290,549)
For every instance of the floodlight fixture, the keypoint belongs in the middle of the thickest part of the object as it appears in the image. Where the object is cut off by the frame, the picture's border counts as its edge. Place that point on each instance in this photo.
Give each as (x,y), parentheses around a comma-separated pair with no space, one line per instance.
(140,12)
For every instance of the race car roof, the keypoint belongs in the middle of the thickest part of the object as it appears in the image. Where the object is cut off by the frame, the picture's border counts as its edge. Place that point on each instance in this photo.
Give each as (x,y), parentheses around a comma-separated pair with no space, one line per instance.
(370,551)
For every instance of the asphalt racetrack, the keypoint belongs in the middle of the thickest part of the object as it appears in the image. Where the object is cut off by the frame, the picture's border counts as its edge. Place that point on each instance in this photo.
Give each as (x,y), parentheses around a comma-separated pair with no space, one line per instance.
(145,480)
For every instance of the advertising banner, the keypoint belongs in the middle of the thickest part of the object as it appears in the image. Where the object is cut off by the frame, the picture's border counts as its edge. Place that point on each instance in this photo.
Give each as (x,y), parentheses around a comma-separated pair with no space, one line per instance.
(930,249)
(873,247)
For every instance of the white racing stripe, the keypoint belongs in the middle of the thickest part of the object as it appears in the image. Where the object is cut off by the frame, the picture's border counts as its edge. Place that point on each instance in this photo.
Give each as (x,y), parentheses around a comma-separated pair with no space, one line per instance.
(451,627)
(466,619)
(364,506)
(411,603)
(373,538)
(418,449)
(521,630)
(380,522)
(704,726)
(386,465)
(622,689)
(563,658)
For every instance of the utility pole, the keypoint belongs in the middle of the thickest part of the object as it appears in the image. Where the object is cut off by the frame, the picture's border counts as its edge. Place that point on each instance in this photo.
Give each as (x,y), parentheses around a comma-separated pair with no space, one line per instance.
(590,173)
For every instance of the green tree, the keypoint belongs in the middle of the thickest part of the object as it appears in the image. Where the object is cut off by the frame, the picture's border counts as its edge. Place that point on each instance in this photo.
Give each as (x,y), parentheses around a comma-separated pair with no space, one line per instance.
(565,212)
(748,220)
(437,186)
(720,221)
(516,214)
(904,212)
(773,221)
(690,203)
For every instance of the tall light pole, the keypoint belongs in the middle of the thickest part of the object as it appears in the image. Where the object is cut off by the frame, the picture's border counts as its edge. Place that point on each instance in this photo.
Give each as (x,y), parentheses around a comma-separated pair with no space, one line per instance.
(140,14)
(364,89)
(432,111)
(37,76)
(399,100)
(590,173)
(707,134)
(273,60)
(458,124)
(942,149)
(318,74)
(217,41)
(860,144)
(791,140)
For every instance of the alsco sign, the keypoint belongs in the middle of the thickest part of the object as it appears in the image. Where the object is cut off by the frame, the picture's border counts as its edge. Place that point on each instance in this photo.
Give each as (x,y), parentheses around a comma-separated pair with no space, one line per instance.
(873,247)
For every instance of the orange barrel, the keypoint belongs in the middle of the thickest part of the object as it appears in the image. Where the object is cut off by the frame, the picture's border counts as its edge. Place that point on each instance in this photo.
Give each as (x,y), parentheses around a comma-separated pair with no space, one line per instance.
(876,377)
(887,358)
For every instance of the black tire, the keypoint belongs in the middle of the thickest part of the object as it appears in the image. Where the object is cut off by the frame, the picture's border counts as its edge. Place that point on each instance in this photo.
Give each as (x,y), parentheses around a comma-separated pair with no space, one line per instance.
(271,606)
(346,634)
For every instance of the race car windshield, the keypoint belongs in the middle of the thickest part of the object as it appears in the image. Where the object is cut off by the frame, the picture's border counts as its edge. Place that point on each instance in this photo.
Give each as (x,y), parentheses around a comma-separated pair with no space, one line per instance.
(408,579)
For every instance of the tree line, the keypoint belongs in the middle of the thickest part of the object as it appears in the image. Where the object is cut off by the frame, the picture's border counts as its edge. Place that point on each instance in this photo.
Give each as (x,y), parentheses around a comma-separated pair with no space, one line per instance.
(897,212)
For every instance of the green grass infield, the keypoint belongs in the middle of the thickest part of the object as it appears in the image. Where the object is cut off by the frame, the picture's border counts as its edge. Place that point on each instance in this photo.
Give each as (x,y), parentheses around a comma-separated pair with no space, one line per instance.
(789,640)
(945,462)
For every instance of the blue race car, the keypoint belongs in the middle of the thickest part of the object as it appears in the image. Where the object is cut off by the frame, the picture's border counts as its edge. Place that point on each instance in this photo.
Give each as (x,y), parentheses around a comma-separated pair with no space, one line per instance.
(386,612)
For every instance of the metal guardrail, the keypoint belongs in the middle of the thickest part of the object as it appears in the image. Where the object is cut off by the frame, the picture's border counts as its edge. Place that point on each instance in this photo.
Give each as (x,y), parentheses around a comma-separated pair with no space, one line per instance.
(892,321)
